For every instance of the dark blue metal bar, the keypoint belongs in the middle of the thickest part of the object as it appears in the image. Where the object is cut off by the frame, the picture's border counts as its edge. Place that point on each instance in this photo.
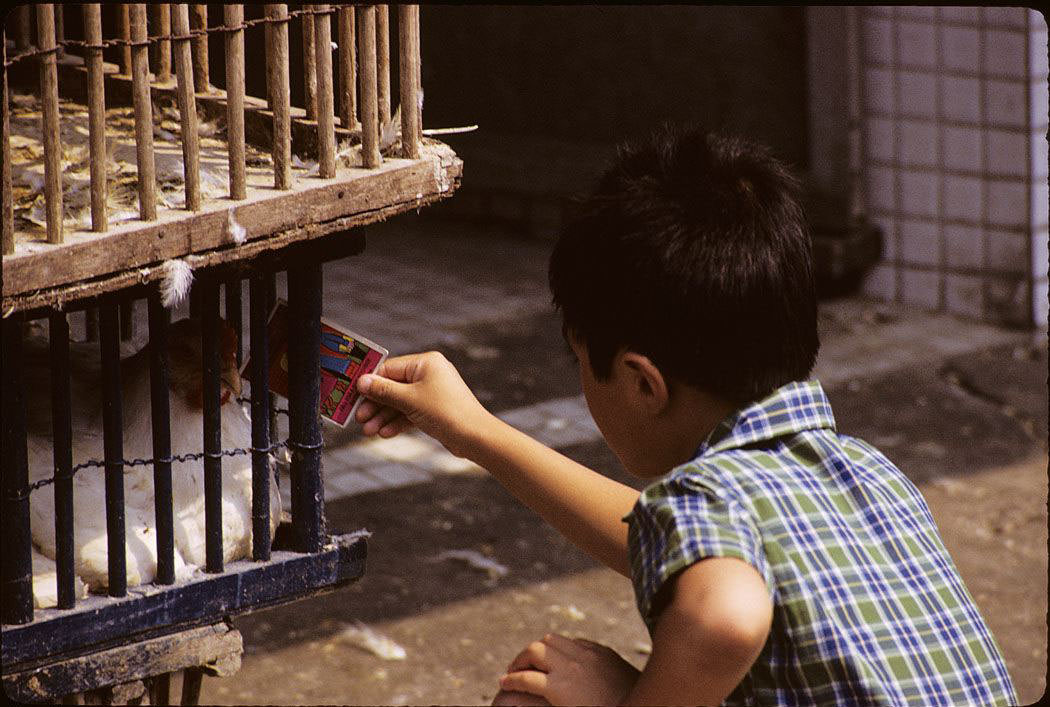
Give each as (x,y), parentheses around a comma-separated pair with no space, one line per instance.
(127,319)
(304,399)
(234,316)
(271,300)
(260,378)
(113,443)
(160,415)
(212,394)
(62,448)
(17,557)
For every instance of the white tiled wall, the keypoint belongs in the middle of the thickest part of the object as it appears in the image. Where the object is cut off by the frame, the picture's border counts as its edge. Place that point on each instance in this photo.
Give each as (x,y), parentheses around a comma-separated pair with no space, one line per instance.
(954,157)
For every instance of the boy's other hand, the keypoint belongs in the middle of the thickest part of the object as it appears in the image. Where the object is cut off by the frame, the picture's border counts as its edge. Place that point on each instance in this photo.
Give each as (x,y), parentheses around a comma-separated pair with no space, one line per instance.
(419,390)
(570,671)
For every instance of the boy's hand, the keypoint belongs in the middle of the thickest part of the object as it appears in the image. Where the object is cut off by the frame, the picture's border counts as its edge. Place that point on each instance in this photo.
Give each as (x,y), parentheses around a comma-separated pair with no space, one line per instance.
(421,390)
(567,671)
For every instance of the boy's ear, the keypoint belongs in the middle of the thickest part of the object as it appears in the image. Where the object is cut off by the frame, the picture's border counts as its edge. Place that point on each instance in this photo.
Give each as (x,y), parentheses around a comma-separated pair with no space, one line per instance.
(646,382)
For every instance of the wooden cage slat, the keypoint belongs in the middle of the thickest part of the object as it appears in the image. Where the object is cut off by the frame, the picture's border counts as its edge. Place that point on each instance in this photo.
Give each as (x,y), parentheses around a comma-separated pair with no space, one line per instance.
(162,19)
(309,67)
(383,61)
(417,56)
(408,54)
(280,100)
(8,195)
(347,69)
(325,94)
(60,29)
(23,28)
(62,454)
(187,106)
(368,88)
(125,34)
(45,21)
(199,21)
(147,173)
(160,418)
(233,16)
(96,96)
(113,445)
(267,44)
(17,595)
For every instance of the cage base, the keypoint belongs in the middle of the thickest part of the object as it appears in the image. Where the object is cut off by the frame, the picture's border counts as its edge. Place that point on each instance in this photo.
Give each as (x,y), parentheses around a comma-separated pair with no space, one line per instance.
(101,622)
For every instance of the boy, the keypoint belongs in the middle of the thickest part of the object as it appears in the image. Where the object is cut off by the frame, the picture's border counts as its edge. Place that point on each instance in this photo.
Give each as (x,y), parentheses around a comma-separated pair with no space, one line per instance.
(774,560)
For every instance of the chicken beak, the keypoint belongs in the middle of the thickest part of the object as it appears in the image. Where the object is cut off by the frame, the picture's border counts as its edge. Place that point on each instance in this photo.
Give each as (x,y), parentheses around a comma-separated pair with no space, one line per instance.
(231,378)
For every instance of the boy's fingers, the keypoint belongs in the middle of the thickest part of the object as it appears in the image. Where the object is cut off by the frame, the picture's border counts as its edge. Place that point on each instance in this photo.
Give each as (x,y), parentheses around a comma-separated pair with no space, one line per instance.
(392,429)
(531,681)
(380,420)
(399,368)
(533,655)
(383,390)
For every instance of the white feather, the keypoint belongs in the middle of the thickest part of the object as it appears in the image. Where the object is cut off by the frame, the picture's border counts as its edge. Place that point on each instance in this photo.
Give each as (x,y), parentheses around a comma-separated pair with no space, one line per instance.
(175,285)
(377,644)
(237,233)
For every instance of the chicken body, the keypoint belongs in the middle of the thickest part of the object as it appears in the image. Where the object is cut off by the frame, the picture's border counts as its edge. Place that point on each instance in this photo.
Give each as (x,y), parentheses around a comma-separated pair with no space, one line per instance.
(186,416)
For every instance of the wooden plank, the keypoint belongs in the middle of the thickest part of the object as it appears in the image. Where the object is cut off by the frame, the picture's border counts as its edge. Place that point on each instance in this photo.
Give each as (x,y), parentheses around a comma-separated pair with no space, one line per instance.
(100,621)
(218,647)
(397,183)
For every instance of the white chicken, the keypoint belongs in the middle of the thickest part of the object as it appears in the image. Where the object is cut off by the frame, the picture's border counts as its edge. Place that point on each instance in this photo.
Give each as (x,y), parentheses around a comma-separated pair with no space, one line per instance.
(90,542)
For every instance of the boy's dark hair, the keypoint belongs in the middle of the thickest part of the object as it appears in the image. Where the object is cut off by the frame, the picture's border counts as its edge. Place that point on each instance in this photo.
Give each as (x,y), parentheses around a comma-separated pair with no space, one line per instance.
(693,250)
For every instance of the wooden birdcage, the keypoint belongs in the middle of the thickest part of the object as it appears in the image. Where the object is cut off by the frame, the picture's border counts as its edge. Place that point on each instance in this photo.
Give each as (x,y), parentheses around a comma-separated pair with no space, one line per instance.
(137,165)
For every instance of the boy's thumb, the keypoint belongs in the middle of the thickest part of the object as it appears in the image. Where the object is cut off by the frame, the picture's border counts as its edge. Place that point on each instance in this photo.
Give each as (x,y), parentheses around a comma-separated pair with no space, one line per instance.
(383,390)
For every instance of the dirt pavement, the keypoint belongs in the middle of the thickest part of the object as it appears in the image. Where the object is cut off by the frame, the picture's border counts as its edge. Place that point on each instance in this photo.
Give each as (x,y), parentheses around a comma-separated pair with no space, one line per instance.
(969,429)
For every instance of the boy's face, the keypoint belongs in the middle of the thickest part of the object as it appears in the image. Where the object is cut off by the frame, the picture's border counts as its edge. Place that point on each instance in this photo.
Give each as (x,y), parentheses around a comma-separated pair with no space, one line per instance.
(611,407)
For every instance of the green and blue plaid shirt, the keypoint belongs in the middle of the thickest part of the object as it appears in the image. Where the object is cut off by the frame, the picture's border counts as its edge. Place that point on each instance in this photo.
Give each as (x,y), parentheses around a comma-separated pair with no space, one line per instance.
(868,607)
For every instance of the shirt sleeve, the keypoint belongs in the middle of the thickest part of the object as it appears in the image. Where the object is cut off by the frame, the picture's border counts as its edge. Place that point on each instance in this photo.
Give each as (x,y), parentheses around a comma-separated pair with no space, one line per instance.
(679,521)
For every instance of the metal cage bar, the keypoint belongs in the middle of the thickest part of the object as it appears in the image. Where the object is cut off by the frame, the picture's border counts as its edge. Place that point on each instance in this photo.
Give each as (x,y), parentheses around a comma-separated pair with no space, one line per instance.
(260,405)
(62,450)
(212,398)
(113,444)
(234,314)
(17,554)
(304,399)
(159,319)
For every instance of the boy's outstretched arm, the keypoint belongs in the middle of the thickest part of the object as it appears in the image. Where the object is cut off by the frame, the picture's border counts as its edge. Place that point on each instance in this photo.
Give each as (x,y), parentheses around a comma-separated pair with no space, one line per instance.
(426,391)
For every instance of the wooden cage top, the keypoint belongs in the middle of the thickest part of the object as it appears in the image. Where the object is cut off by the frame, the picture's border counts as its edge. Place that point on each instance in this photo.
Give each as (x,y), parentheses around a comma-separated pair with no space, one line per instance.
(344,160)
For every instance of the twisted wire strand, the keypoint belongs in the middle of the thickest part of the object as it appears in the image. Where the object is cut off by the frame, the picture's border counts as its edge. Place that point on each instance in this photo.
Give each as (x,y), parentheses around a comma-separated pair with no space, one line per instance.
(200,32)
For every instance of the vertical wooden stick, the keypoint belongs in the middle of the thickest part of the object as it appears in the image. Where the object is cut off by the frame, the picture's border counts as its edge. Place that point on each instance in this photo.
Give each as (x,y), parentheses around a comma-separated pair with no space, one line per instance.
(282,126)
(162,16)
(180,23)
(268,37)
(366,41)
(199,20)
(383,59)
(23,29)
(325,95)
(96,115)
(45,23)
(309,67)
(418,58)
(347,69)
(8,197)
(409,65)
(233,15)
(125,34)
(60,29)
(147,175)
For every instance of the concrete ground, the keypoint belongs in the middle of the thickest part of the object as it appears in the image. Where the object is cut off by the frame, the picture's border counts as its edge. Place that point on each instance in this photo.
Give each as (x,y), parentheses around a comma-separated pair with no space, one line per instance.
(961,408)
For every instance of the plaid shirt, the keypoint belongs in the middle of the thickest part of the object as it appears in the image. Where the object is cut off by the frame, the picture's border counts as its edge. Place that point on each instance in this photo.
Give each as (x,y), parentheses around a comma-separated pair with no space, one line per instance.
(868,607)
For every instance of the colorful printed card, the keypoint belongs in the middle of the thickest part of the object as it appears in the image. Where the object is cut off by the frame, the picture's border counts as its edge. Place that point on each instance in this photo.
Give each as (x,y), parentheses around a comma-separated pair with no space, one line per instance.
(345,357)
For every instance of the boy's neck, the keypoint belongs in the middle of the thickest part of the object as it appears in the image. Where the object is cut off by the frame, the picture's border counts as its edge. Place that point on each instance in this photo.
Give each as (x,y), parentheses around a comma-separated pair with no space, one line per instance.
(680,429)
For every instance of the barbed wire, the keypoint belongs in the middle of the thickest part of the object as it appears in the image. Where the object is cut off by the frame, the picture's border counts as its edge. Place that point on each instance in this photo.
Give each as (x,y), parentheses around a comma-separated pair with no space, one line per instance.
(189,456)
(199,32)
